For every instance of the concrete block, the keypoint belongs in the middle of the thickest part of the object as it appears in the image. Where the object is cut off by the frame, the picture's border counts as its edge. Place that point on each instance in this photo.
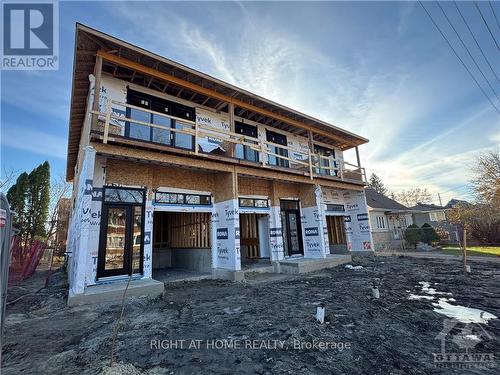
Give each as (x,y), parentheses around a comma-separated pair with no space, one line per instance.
(113,291)
(296,266)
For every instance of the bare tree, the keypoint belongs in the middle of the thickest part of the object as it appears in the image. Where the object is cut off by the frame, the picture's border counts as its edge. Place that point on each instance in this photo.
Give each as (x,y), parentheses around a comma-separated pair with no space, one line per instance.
(482,219)
(413,196)
(58,189)
(6,180)
(486,180)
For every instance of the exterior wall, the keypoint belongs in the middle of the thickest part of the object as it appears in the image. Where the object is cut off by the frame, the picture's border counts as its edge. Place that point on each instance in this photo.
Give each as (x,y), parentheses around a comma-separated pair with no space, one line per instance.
(357,223)
(421,218)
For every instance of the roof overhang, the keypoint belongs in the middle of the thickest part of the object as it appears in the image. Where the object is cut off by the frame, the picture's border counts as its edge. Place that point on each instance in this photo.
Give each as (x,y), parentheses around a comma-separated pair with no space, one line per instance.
(129,62)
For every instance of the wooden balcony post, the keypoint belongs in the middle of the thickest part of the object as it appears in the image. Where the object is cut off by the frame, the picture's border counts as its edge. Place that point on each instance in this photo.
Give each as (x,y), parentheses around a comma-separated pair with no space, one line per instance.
(108,120)
(196,138)
(310,165)
(232,127)
(311,152)
(357,157)
(263,151)
(97,90)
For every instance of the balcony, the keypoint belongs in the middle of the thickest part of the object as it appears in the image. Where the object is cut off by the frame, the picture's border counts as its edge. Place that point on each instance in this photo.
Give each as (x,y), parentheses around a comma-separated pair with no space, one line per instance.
(135,126)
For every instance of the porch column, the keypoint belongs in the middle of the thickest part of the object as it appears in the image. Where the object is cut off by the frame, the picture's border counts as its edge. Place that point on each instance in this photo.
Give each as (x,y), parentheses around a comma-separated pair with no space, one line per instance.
(147,265)
(275,228)
(357,223)
(313,222)
(99,177)
(226,226)
(80,225)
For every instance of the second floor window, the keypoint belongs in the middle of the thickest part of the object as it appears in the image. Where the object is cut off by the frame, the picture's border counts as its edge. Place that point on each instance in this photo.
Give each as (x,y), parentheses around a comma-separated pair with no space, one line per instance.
(277,139)
(153,134)
(324,159)
(245,152)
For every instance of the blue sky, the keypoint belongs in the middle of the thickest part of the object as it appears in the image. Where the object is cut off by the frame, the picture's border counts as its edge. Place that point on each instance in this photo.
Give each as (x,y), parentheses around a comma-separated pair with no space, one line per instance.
(378,69)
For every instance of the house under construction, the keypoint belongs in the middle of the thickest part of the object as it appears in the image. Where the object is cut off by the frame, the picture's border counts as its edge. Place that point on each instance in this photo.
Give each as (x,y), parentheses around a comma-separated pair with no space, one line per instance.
(174,169)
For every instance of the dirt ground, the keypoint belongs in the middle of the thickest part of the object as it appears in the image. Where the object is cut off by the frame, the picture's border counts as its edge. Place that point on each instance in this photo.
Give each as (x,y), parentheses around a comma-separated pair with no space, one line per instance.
(390,335)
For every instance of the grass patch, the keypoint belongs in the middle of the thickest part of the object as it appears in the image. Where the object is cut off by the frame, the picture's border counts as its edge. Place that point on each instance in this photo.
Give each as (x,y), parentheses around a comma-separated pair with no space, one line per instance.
(490,251)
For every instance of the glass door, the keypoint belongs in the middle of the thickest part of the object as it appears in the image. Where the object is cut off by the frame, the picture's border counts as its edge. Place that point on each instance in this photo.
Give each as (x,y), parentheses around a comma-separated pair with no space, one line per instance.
(290,222)
(115,242)
(121,237)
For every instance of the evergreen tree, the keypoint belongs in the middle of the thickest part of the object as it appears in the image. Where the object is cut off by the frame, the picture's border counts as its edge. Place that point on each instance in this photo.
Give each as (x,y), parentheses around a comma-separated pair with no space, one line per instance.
(29,198)
(39,198)
(429,234)
(376,184)
(17,197)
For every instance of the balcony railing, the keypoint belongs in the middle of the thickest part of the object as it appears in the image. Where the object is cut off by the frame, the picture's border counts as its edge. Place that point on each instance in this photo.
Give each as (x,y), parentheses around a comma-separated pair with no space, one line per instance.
(111,126)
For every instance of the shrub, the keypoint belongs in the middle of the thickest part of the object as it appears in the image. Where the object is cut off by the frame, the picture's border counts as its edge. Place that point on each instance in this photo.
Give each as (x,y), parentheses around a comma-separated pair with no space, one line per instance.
(429,234)
(413,234)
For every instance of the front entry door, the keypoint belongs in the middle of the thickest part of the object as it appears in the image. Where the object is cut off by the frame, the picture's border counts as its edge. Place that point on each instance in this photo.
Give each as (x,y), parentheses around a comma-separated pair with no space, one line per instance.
(290,222)
(120,247)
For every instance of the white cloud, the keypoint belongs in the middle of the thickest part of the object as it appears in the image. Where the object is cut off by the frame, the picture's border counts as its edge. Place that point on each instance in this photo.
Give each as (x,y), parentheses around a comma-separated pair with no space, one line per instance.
(390,106)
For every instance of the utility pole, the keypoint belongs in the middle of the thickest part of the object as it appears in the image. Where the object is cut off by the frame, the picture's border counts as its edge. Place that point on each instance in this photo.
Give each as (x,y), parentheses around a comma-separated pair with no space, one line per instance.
(440,203)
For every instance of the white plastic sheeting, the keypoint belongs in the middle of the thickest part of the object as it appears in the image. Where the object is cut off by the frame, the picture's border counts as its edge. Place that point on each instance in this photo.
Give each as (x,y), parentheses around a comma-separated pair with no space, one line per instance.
(275,234)
(226,235)
(80,224)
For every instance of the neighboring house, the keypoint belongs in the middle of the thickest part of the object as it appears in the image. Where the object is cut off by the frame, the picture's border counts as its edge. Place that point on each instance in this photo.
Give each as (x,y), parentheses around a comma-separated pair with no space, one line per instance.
(454,203)
(436,216)
(428,213)
(172,168)
(388,220)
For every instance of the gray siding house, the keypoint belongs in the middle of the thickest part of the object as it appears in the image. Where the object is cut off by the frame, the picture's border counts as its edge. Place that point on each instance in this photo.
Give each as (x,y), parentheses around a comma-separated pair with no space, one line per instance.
(388,220)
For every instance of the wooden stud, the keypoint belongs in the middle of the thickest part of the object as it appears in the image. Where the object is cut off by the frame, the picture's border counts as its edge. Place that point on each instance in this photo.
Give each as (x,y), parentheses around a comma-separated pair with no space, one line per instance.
(97,89)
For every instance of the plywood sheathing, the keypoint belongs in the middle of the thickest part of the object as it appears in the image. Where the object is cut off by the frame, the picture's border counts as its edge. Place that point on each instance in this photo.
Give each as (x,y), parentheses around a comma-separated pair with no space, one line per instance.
(154,157)
(254,186)
(226,186)
(131,173)
(283,190)
(180,178)
(307,195)
(128,173)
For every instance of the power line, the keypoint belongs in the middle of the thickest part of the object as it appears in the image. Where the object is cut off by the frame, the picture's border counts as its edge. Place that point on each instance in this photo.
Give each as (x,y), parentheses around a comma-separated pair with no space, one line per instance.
(458,57)
(468,51)
(477,43)
(486,23)
(494,14)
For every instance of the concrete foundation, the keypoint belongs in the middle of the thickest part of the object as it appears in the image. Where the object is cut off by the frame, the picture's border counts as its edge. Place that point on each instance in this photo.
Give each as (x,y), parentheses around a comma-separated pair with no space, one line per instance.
(114,291)
(304,265)
(221,273)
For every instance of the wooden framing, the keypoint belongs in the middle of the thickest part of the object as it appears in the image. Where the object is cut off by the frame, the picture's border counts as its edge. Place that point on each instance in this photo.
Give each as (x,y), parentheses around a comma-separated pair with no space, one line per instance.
(336,231)
(249,235)
(97,88)
(197,131)
(186,230)
(211,93)
(96,51)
